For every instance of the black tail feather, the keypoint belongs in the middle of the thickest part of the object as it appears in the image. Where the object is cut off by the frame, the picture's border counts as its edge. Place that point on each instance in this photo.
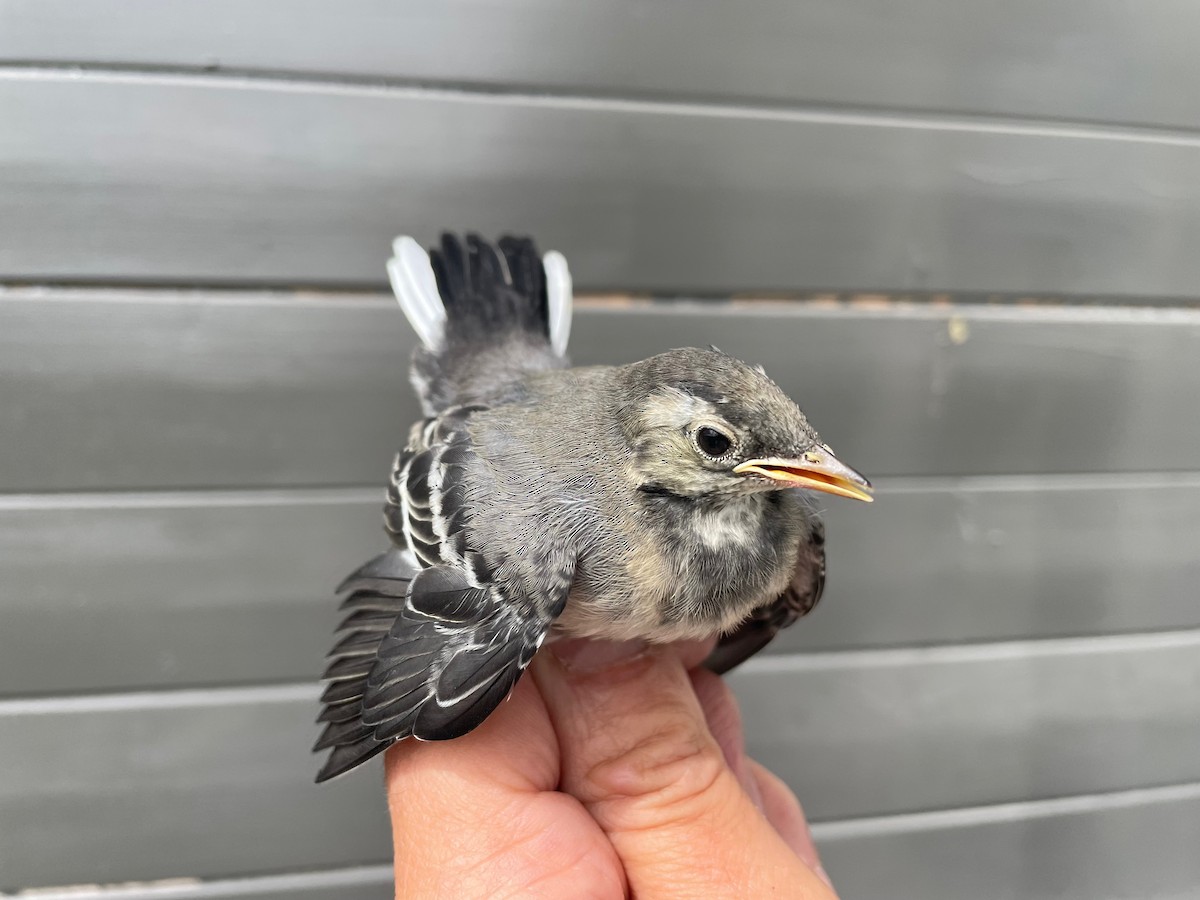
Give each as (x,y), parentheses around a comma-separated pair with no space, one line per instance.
(497,326)
(487,296)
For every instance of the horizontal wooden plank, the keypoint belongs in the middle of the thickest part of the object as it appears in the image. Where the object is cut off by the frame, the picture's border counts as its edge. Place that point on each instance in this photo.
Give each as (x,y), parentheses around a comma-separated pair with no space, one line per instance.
(120,787)
(1021,58)
(879,732)
(110,592)
(1129,844)
(358,883)
(201,784)
(1002,559)
(131,390)
(1132,844)
(1139,844)
(286,182)
(102,594)
(196,392)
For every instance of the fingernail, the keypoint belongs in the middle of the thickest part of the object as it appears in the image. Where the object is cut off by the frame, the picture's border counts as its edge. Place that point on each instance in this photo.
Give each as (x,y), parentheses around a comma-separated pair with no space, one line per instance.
(582,655)
(823,875)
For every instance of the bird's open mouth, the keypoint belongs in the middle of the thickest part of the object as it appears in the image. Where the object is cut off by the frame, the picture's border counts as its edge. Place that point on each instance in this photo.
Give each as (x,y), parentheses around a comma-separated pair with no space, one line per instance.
(816,470)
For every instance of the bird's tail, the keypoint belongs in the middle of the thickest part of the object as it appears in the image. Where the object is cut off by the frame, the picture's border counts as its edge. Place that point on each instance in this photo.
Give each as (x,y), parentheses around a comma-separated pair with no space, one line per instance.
(486,315)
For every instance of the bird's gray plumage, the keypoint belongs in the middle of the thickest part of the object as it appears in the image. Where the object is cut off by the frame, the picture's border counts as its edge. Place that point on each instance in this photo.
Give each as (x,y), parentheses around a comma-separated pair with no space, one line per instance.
(538,497)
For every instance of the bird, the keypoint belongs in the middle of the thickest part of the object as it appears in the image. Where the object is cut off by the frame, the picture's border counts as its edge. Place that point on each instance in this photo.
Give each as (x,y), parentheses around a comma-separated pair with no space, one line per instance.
(665,500)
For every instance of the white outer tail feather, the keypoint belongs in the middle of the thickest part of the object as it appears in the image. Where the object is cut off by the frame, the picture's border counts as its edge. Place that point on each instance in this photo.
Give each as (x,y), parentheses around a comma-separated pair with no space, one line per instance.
(558,292)
(415,287)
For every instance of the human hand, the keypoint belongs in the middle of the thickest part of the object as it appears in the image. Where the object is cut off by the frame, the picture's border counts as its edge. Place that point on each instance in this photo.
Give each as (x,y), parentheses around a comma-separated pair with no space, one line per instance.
(604,775)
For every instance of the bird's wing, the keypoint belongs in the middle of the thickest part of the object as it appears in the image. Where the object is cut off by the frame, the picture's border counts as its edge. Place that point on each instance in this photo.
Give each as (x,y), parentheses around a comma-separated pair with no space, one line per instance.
(427,653)
(486,315)
(802,594)
(435,637)
(426,507)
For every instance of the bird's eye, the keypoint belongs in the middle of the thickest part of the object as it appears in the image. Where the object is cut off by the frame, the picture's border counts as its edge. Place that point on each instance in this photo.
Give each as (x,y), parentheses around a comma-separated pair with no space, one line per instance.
(712,442)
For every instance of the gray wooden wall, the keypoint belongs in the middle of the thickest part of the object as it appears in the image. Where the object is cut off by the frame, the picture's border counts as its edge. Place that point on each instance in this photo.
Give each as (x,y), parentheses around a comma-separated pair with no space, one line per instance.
(201,384)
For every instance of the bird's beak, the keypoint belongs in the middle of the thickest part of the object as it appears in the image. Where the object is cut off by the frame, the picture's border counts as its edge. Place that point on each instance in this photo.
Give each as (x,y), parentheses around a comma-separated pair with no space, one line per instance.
(817,470)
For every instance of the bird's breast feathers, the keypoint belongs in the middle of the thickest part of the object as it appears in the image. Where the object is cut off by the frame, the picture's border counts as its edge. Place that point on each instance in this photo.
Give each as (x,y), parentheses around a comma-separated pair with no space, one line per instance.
(702,570)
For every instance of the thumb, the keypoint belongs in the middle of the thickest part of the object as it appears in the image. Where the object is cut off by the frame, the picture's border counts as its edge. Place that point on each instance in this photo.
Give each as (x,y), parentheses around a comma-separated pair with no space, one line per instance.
(637,752)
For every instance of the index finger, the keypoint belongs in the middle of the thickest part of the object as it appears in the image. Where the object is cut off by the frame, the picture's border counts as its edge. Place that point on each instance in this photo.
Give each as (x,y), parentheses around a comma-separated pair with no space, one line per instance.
(480,813)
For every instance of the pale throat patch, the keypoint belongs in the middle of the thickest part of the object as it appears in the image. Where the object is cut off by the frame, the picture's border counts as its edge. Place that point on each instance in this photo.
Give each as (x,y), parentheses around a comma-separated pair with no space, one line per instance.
(733,524)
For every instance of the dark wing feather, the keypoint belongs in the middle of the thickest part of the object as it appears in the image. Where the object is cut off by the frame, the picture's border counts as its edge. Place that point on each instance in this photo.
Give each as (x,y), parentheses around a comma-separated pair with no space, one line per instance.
(804,592)
(454,651)
(434,639)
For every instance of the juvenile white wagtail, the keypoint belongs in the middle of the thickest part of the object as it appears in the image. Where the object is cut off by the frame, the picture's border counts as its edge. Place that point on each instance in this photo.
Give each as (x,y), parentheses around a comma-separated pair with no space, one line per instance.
(656,500)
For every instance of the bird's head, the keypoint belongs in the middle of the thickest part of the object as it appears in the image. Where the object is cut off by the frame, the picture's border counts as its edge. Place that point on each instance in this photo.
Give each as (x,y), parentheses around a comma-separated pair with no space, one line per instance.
(701,423)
